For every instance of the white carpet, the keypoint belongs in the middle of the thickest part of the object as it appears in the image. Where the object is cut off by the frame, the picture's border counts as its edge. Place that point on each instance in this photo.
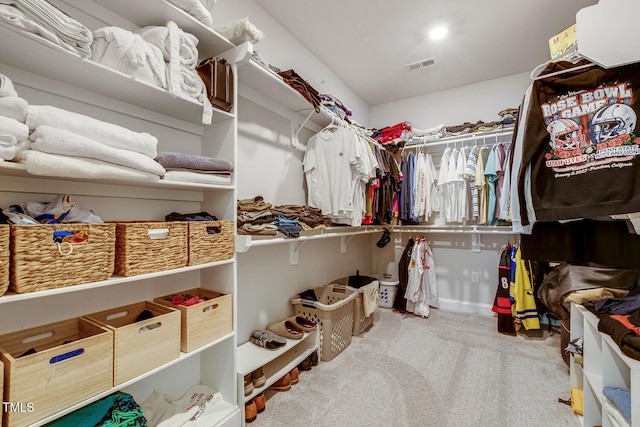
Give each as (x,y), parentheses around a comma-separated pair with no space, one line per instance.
(450,369)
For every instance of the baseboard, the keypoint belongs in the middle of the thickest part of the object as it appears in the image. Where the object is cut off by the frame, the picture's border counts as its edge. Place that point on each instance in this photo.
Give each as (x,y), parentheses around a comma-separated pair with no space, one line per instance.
(465,306)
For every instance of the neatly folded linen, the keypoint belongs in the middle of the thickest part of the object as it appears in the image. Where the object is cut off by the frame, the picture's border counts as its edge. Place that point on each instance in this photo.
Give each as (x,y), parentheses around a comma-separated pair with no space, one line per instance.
(14,128)
(195,8)
(45,164)
(106,133)
(240,31)
(129,53)
(58,141)
(9,152)
(6,87)
(198,178)
(14,107)
(74,35)
(173,160)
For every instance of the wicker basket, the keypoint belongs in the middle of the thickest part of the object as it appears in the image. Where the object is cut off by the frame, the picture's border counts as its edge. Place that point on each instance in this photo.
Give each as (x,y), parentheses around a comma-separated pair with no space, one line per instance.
(39,263)
(205,247)
(333,313)
(4,258)
(150,246)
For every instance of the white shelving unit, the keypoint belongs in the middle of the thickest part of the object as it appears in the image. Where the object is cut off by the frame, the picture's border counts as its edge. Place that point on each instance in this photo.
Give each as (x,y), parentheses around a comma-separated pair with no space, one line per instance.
(83,86)
(604,365)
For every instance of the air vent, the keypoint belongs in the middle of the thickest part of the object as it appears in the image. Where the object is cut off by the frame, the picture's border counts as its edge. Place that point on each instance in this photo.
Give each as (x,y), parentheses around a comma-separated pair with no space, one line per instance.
(421,64)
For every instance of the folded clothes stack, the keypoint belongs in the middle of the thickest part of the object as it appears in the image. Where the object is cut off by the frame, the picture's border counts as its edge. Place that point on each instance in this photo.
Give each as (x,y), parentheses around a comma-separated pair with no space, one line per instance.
(73,145)
(194,168)
(42,19)
(14,133)
(255,216)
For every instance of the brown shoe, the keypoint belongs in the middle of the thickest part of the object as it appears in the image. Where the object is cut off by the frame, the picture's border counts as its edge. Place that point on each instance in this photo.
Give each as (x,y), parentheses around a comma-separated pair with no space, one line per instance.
(260,402)
(287,329)
(250,411)
(283,384)
(305,365)
(294,376)
(314,358)
(258,378)
(248,385)
(304,324)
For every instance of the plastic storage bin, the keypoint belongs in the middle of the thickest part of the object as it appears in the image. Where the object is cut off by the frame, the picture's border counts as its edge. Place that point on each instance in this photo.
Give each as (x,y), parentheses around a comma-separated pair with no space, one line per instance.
(387,295)
(333,313)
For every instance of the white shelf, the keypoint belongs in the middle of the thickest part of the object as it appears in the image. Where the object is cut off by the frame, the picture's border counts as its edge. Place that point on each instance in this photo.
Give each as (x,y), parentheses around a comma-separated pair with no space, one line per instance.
(11,296)
(595,382)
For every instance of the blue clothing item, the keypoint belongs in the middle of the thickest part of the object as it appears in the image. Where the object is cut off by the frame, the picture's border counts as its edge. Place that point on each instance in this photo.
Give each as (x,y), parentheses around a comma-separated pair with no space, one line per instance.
(491,176)
(412,185)
(116,410)
(404,190)
(622,306)
(621,398)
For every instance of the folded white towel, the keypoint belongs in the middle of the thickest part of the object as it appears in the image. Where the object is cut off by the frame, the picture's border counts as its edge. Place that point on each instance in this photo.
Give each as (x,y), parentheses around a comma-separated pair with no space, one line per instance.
(370,297)
(195,8)
(14,128)
(74,35)
(106,133)
(6,86)
(9,152)
(129,53)
(45,164)
(240,31)
(58,141)
(198,178)
(14,107)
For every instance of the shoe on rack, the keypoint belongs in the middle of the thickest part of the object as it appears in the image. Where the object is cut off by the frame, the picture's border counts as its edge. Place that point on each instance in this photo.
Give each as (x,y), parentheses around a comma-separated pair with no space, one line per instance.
(304,324)
(250,411)
(258,378)
(267,339)
(314,358)
(287,329)
(260,402)
(294,376)
(305,365)
(248,385)
(283,384)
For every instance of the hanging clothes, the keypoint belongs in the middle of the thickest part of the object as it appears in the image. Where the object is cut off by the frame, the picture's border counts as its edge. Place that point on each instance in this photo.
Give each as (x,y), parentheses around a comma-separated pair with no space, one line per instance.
(524,308)
(502,301)
(400,303)
(422,288)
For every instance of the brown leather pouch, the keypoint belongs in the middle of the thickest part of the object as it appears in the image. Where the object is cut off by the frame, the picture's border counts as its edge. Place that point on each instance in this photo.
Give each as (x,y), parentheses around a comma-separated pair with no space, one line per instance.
(217,75)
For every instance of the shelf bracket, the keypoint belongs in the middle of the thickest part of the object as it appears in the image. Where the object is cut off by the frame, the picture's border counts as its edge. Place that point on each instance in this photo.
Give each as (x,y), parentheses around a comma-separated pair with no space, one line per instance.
(242,243)
(294,252)
(476,241)
(295,130)
(343,243)
(240,54)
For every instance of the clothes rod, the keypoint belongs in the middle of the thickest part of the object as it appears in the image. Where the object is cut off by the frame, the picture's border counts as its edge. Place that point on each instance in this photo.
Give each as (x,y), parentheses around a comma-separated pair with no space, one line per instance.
(473,137)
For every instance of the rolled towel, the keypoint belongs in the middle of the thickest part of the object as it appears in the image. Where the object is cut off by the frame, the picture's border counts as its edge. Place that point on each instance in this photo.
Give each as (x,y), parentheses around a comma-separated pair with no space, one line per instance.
(9,152)
(14,128)
(106,133)
(58,141)
(6,86)
(45,164)
(14,107)
(198,178)
(195,8)
(173,160)
(74,35)
(240,30)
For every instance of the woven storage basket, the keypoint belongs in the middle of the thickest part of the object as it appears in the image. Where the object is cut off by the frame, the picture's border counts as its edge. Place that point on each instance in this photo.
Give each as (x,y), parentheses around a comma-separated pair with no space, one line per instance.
(333,313)
(4,258)
(205,247)
(38,263)
(150,246)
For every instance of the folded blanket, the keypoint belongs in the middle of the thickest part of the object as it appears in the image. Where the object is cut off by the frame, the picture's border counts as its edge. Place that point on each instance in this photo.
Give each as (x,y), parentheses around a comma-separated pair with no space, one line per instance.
(106,133)
(173,160)
(195,8)
(6,87)
(616,418)
(621,398)
(14,107)
(58,141)
(240,31)
(13,128)
(198,178)
(73,35)
(129,53)
(45,164)
(9,152)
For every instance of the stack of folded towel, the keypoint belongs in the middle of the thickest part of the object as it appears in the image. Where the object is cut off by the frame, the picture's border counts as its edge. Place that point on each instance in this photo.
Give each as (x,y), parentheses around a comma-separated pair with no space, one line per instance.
(14,133)
(73,145)
(194,168)
(199,9)
(41,19)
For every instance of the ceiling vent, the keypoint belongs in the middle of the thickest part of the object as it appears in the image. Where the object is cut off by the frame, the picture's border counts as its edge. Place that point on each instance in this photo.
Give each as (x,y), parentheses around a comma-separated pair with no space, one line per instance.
(423,63)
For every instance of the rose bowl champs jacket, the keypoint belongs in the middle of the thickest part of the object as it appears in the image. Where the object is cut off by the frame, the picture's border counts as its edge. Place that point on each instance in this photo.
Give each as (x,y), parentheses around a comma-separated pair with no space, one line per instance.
(580,142)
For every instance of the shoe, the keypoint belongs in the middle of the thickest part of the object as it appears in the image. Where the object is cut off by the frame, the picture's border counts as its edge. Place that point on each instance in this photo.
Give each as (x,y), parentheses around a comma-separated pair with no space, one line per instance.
(260,402)
(294,376)
(287,329)
(283,384)
(305,365)
(258,378)
(248,385)
(304,324)
(267,339)
(250,411)
(314,358)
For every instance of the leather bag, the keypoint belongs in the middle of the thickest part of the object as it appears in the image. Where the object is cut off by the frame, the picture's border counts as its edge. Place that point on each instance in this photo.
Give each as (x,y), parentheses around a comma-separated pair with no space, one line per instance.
(217,75)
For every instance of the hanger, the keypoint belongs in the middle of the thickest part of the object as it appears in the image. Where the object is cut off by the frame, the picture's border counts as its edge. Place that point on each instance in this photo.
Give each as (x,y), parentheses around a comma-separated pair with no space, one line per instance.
(535,74)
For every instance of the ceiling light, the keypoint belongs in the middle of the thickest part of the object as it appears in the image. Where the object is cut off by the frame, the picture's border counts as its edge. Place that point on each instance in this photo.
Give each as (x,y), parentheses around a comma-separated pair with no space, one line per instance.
(438,33)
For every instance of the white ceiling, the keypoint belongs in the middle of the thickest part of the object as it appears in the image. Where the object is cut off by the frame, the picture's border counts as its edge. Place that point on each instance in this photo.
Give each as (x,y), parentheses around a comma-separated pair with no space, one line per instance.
(367,43)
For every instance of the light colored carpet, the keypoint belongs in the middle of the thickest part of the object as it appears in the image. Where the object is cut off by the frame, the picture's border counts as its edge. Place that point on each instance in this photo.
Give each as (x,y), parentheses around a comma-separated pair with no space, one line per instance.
(450,369)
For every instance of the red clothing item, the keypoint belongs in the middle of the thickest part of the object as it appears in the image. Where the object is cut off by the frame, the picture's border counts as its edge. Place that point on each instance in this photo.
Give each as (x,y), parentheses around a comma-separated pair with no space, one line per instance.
(392,132)
(624,319)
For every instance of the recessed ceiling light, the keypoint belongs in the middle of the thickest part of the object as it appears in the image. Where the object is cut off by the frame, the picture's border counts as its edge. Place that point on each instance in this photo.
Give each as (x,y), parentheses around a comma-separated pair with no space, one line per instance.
(438,33)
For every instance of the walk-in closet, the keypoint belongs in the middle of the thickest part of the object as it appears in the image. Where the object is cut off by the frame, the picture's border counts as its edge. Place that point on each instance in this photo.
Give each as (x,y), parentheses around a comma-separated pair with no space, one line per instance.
(275,213)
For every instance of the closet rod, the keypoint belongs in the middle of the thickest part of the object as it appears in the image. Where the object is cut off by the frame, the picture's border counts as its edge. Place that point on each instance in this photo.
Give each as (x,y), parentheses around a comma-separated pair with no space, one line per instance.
(475,137)
(458,230)
(357,130)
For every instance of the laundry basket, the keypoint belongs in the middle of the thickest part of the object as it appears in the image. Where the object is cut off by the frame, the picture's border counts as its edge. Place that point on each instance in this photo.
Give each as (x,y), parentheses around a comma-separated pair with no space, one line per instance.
(355,283)
(333,313)
(388,291)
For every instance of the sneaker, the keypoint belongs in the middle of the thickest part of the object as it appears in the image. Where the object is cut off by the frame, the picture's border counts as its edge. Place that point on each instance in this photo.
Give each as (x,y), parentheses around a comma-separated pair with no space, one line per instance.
(248,385)
(283,384)
(258,378)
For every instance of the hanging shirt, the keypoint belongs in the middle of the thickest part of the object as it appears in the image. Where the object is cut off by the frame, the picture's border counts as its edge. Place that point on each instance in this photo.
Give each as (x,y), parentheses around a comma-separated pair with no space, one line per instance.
(524,308)
(481,183)
(422,289)
(470,175)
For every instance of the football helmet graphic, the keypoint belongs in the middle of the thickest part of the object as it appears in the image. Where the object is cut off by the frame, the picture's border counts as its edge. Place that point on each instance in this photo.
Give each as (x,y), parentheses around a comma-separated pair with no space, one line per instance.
(566,135)
(612,121)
